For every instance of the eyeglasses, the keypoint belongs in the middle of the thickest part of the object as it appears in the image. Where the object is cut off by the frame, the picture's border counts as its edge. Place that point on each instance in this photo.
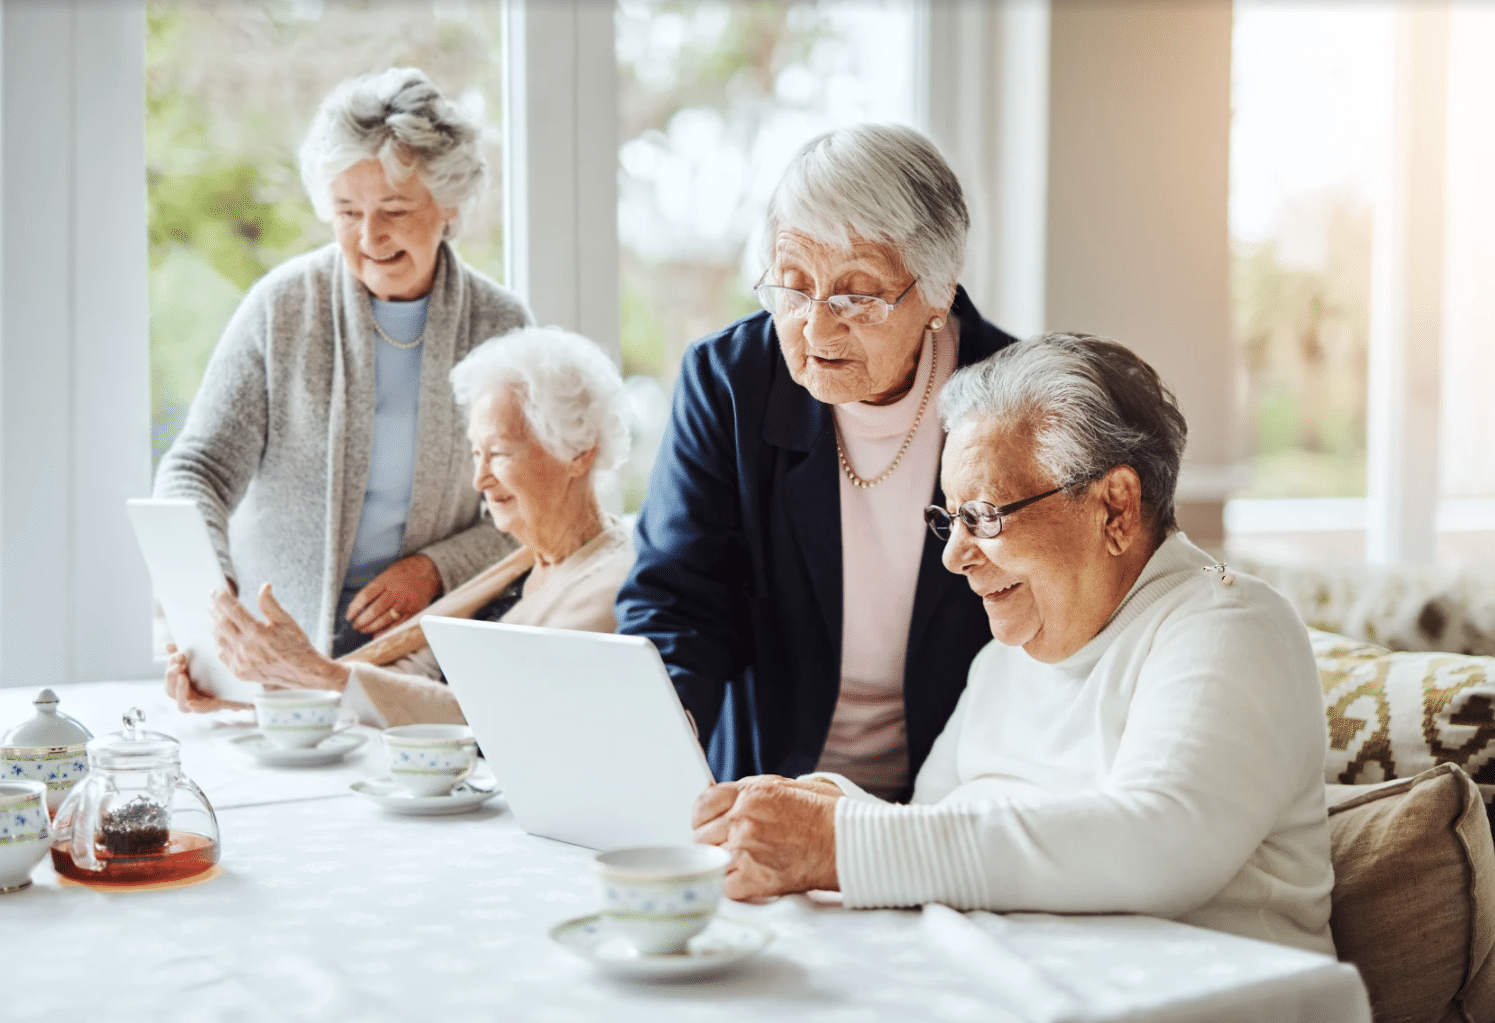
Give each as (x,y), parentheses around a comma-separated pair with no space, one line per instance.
(983,520)
(864,310)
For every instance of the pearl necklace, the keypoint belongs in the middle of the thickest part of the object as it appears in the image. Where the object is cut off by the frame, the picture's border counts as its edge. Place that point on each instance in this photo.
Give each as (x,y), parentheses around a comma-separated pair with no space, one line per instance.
(851,475)
(399,344)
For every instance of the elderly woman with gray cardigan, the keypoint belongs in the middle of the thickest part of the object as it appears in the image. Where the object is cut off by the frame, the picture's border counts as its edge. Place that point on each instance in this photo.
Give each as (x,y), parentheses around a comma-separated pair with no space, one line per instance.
(324,447)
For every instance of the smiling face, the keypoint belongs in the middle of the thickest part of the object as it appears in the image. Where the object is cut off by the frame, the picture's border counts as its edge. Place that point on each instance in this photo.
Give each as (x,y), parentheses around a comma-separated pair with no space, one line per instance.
(524,485)
(1059,568)
(840,362)
(389,232)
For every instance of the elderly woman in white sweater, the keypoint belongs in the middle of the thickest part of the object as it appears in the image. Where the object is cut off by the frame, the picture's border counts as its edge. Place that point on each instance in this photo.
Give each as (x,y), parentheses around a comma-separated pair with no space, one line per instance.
(1146,734)
(546,419)
(301,446)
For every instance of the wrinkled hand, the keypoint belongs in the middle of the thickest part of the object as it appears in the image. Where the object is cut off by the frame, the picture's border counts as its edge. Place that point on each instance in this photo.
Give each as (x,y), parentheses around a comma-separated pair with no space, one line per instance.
(781,834)
(401,590)
(180,687)
(275,651)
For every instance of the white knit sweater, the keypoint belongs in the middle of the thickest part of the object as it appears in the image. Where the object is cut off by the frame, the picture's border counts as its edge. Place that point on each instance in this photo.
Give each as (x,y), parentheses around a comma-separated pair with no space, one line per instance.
(1173,766)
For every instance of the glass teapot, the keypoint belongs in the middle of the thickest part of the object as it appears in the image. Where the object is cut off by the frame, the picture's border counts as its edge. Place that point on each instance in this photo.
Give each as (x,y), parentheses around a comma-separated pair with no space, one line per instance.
(136,819)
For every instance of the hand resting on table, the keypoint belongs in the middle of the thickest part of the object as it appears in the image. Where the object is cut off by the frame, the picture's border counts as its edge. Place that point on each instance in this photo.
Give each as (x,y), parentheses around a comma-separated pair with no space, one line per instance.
(781,834)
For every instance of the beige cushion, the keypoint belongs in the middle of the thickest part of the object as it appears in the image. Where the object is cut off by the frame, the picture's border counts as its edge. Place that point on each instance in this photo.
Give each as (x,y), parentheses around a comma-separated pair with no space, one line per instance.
(1414,891)
(1394,715)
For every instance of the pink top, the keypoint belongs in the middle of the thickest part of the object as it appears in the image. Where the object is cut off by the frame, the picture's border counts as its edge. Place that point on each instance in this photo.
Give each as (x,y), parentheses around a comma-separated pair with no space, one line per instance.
(882,541)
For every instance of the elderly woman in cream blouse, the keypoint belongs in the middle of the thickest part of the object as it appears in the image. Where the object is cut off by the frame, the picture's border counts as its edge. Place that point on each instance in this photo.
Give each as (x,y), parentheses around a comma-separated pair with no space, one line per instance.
(546,415)
(1146,733)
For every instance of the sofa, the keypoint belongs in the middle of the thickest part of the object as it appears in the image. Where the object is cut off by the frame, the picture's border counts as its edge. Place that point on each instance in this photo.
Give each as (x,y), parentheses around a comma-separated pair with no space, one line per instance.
(1409,771)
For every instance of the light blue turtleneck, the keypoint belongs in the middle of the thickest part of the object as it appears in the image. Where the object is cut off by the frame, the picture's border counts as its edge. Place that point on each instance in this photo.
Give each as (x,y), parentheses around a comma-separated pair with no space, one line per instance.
(386,499)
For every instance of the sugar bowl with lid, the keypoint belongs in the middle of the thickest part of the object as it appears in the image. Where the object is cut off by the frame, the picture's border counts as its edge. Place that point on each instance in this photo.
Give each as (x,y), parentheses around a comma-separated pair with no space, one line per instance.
(136,818)
(50,747)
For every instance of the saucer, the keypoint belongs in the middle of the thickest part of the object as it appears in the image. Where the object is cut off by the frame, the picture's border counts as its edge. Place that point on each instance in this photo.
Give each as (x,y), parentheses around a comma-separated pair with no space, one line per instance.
(328,751)
(725,942)
(469,795)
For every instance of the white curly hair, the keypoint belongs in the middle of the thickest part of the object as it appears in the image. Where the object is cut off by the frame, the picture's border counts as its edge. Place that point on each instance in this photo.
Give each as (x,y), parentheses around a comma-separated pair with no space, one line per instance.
(571,393)
(401,119)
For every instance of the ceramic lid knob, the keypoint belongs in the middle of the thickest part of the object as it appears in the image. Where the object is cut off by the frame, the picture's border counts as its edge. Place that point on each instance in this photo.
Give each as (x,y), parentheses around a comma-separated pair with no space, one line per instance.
(48,728)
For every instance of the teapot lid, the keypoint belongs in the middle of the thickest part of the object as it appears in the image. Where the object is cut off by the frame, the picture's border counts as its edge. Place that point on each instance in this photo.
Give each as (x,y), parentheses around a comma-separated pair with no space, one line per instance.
(134,746)
(48,727)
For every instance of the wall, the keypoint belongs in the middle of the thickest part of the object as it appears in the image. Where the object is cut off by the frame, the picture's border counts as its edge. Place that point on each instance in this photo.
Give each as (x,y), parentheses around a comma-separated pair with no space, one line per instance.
(1138,232)
(74,387)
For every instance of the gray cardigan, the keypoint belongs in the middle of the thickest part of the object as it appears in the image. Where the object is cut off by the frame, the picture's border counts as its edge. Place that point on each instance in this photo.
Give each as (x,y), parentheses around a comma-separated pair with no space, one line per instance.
(276,448)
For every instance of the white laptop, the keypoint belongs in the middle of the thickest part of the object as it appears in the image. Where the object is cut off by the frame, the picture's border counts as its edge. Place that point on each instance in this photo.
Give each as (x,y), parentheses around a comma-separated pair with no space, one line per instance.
(185,571)
(583,730)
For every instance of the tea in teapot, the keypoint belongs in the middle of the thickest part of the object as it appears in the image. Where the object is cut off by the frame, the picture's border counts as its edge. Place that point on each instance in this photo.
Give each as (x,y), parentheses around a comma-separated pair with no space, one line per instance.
(135,819)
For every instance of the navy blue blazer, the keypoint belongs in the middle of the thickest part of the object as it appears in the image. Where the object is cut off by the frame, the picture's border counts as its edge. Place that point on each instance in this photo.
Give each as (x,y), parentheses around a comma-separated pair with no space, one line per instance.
(738,572)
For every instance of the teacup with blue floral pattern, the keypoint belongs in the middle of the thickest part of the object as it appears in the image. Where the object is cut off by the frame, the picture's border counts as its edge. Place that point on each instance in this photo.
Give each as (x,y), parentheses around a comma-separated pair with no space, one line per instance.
(430,760)
(297,718)
(25,831)
(661,896)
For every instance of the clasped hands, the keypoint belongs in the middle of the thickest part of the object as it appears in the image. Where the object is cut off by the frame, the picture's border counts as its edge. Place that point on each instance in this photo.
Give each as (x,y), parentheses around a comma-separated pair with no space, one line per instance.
(781,834)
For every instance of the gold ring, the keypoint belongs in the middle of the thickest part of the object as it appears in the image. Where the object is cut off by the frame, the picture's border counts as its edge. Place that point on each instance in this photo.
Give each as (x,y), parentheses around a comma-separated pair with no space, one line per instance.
(394,614)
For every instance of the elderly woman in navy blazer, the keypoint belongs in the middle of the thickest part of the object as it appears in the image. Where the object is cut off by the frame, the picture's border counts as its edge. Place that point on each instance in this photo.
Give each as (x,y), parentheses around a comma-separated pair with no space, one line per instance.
(783,567)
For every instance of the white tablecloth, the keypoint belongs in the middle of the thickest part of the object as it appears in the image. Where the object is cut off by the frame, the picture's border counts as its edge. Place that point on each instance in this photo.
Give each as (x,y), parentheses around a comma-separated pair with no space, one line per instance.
(328,908)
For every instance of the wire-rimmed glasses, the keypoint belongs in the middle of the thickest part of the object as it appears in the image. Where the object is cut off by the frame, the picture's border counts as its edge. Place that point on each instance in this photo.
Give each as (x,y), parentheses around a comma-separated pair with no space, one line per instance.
(983,520)
(864,310)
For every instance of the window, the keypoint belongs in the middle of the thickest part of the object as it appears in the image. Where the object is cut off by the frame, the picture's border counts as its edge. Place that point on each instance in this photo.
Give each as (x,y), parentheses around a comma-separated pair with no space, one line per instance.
(713,101)
(1313,194)
(230,90)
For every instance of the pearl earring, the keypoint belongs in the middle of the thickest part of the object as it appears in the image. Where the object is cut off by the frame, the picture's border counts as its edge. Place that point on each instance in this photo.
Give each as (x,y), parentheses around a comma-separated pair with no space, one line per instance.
(936,323)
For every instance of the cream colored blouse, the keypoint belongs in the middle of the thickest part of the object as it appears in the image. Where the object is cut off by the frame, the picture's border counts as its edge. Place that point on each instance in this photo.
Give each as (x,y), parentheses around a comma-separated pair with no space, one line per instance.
(579,594)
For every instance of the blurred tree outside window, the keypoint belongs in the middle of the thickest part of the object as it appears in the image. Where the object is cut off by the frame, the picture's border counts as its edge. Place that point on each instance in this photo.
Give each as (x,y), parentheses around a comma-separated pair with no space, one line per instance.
(230,90)
(1311,101)
(714,98)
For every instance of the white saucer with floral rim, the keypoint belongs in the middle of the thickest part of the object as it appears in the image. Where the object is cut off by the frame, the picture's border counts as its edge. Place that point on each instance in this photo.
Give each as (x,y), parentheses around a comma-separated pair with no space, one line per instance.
(724,943)
(329,751)
(469,795)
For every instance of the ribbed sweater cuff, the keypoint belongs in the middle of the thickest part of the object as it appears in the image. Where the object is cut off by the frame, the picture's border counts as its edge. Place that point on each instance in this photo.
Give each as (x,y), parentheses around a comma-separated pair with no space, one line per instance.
(893,855)
(849,788)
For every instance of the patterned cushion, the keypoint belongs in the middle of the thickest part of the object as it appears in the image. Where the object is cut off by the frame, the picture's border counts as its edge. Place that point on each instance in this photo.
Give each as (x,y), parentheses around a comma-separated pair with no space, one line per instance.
(1395,715)
(1402,607)
(1414,896)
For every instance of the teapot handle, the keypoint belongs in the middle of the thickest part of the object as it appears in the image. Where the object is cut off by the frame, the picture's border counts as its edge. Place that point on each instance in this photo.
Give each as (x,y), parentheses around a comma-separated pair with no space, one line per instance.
(85,820)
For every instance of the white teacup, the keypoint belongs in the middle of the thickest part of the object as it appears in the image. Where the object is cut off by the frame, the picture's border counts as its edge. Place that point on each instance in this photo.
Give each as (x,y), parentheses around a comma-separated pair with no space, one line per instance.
(25,831)
(430,760)
(299,718)
(661,896)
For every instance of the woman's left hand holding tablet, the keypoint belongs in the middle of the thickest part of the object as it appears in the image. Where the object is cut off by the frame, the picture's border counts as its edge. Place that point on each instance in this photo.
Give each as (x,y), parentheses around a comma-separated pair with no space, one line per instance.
(180,687)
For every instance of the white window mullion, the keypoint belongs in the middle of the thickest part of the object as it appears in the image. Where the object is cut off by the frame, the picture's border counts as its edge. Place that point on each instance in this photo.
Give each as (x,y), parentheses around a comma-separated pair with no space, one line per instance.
(1407,290)
(560,164)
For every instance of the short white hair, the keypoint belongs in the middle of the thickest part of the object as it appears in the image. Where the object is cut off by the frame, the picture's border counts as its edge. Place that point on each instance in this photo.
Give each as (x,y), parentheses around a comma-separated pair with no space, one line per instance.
(571,393)
(1091,403)
(883,183)
(401,119)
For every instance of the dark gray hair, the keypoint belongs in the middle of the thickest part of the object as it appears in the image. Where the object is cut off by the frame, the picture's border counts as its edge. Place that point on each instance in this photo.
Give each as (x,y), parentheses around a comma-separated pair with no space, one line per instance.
(401,119)
(883,183)
(1092,405)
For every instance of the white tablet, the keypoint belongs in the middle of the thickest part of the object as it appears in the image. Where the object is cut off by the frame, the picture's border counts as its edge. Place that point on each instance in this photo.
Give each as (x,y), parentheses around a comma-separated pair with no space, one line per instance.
(184,573)
(583,730)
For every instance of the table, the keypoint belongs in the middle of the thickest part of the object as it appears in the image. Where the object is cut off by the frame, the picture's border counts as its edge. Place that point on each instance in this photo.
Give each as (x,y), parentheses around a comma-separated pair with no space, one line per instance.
(328,908)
